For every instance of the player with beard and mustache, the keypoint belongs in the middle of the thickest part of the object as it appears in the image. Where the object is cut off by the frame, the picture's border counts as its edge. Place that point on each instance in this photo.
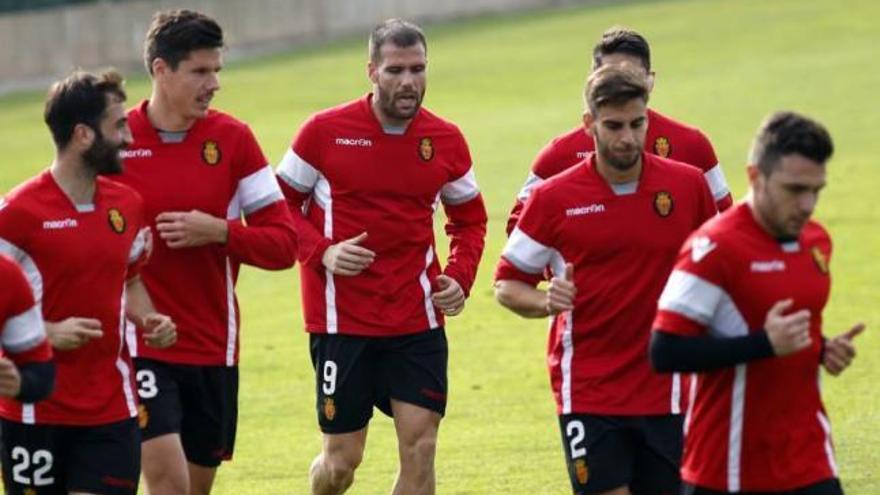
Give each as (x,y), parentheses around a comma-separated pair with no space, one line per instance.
(609,228)
(81,240)
(363,181)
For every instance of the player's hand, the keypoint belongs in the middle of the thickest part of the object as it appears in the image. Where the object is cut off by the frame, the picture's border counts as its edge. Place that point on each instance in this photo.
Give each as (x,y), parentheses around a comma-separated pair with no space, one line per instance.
(10,379)
(159,330)
(450,296)
(840,351)
(787,333)
(184,229)
(73,332)
(561,292)
(348,257)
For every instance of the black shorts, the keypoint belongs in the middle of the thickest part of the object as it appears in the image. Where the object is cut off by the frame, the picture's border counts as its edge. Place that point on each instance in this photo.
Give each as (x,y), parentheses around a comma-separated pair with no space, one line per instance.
(606,452)
(50,459)
(826,487)
(355,373)
(198,402)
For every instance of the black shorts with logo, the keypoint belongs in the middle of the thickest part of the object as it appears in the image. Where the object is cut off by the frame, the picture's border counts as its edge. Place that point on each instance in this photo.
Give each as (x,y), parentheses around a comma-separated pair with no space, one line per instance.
(54,459)
(826,487)
(355,373)
(607,452)
(198,402)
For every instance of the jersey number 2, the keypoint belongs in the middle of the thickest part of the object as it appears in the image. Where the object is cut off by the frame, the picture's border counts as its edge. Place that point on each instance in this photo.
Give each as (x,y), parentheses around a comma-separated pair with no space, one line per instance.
(576,432)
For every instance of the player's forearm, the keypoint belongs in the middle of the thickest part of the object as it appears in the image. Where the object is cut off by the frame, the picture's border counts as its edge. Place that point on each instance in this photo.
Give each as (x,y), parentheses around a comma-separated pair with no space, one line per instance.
(467,239)
(37,381)
(521,298)
(267,241)
(138,303)
(671,353)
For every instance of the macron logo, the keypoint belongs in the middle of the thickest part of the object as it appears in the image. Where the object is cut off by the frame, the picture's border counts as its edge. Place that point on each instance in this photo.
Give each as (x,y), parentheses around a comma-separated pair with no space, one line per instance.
(700,247)
(768,266)
(361,142)
(582,154)
(585,210)
(67,223)
(138,153)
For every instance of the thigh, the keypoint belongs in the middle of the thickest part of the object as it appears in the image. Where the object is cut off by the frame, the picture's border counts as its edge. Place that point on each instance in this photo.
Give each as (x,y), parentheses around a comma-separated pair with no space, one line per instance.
(104,459)
(599,452)
(209,399)
(657,455)
(414,371)
(32,460)
(159,410)
(345,371)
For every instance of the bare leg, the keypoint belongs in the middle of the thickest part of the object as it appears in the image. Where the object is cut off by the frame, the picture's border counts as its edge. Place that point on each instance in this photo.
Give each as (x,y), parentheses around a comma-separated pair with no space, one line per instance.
(163,464)
(417,443)
(332,472)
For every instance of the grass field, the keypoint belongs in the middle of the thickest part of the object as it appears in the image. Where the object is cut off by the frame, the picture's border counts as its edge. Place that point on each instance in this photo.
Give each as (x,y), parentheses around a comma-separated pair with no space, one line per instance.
(512,83)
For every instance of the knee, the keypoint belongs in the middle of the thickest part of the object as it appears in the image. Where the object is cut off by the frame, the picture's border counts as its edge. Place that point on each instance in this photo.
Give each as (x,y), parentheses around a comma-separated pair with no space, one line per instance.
(420,450)
(339,467)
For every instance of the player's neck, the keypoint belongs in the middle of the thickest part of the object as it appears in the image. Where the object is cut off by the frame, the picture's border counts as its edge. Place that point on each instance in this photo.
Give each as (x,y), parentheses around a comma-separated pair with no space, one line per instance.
(386,121)
(616,176)
(74,178)
(164,117)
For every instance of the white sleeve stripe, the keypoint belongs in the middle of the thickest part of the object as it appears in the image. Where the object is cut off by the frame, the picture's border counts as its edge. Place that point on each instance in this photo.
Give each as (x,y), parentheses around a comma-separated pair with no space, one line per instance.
(23,332)
(526,253)
(717,183)
(532,182)
(27,265)
(691,296)
(138,246)
(296,172)
(460,190)
(258,190)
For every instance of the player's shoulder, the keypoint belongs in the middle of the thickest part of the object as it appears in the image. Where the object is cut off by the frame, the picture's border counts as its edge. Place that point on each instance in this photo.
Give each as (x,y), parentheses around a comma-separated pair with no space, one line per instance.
(674,126)
(574,178)
(814,233)
(344,113)
(118,192)
(220,121)
(28,193)
(430,122)
(561,152)
(674,170)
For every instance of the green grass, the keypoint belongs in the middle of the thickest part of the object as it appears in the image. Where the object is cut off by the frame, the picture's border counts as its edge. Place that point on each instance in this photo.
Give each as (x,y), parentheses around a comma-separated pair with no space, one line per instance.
(511,83)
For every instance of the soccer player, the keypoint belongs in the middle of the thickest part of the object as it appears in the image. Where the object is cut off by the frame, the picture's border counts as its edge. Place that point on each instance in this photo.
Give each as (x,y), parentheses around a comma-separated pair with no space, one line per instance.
(609,229)
(743,307)
(363,181)
(200,172)
(81,240)
(666,137)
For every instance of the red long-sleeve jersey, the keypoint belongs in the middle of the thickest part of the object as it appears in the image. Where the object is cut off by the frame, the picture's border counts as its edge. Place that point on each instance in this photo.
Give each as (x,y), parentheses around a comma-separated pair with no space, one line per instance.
(667,138)
(345,175)
(218,168)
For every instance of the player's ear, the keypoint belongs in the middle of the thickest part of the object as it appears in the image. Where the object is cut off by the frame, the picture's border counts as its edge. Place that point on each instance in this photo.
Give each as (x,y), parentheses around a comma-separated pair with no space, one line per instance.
(159,66)
(373,72)
(651,78)
(754,174)
(588,119)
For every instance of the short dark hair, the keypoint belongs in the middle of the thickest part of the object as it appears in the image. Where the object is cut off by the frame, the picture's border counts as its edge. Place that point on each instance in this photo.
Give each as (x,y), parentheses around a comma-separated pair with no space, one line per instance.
(174,34)
(80,98)
(615,86)
(786,133)
(618,40)
(401,33)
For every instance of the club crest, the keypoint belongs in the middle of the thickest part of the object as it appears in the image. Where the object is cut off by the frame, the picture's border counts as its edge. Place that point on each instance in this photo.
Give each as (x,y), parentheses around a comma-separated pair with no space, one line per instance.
(211,152)
(820,259)
(662,147)
(426,149)
(663,203)
(116,220)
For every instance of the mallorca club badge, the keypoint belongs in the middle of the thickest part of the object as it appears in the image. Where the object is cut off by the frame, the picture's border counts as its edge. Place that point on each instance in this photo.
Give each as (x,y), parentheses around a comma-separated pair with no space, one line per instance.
(329,408)
(143,416)
(116,220)
(426,149)
(211,152)
(662,147)
(663,203)
(820,259)
(581,473)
